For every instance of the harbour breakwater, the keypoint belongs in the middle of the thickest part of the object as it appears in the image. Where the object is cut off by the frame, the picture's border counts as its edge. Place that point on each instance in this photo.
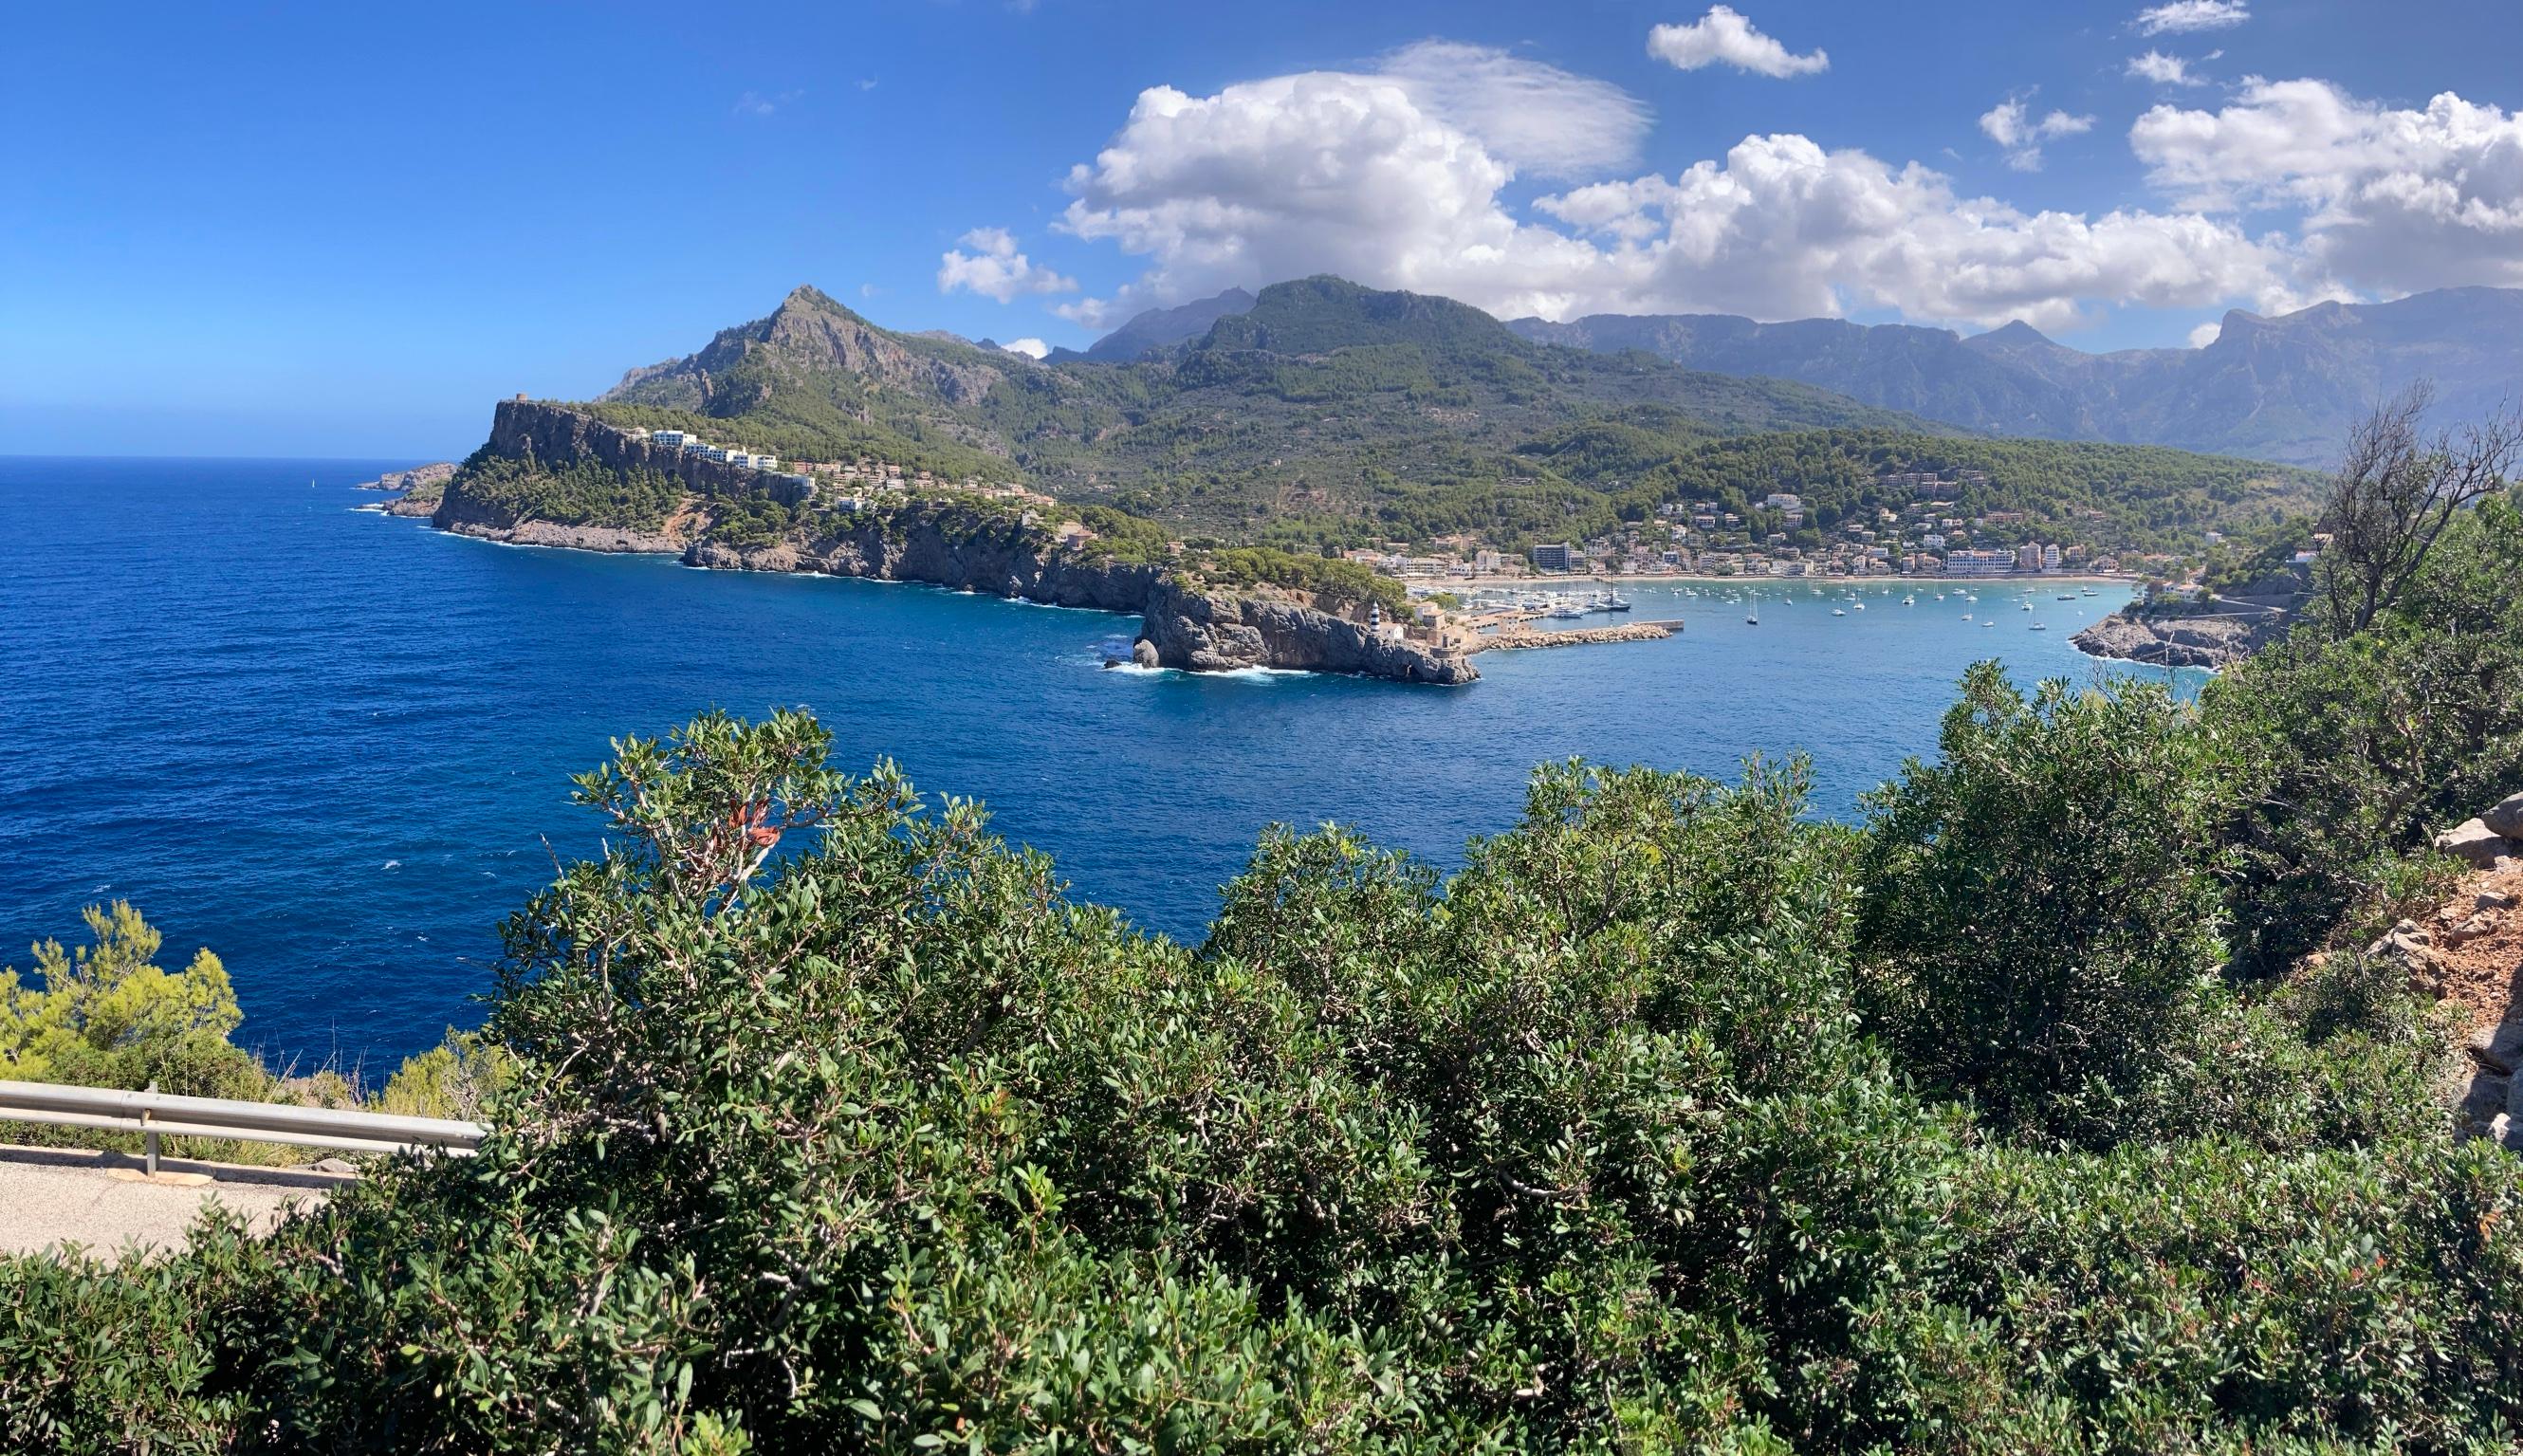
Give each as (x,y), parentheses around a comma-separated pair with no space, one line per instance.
(961,543)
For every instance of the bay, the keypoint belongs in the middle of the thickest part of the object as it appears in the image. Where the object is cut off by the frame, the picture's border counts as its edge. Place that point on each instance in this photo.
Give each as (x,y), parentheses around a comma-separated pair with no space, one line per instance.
(335,746)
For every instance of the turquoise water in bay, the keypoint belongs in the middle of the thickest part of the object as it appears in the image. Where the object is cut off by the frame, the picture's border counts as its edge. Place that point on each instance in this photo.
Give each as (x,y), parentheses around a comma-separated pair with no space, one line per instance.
(332,745)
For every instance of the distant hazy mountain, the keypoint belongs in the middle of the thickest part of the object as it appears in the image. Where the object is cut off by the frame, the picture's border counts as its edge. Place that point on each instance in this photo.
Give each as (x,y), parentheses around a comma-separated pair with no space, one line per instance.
(1158,328)
(2274,388)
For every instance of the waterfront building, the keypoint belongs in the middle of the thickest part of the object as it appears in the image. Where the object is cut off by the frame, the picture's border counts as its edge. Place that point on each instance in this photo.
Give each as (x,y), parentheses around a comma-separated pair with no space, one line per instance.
(1970,563)
(1557,556)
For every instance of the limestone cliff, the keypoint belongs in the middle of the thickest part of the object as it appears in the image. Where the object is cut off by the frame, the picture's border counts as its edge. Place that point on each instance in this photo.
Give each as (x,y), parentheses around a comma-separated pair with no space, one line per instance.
(555,435)
(1186,626)
(963,543)
(1222,631)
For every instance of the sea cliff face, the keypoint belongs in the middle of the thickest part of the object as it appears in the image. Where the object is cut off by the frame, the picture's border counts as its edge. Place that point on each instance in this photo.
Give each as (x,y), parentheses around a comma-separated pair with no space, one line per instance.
(944,542)
(1213,632)
(551,435)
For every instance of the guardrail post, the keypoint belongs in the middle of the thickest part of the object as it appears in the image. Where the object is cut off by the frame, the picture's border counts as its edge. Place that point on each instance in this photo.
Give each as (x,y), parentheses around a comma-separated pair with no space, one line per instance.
(148,1137)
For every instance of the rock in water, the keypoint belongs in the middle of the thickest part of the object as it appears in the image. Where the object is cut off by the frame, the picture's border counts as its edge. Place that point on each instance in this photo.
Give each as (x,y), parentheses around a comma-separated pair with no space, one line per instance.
(2506,817)
(2474,843)
(1144,653)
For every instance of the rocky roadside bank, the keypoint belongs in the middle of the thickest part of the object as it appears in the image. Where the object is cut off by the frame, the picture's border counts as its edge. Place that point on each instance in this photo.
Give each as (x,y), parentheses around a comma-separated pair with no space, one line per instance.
(2180,641)
(2470,954)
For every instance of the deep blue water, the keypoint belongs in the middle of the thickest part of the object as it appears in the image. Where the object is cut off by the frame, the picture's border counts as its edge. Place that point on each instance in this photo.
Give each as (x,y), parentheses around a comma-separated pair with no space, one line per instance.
(330,746)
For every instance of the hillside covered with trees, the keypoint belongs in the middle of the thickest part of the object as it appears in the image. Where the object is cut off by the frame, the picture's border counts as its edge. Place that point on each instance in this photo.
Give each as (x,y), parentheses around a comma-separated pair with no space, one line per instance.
(1330,414)
(2056,1107)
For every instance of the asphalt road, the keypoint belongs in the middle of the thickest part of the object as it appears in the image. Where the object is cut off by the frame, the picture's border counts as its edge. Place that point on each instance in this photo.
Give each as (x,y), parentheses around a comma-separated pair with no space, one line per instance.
(52,1196)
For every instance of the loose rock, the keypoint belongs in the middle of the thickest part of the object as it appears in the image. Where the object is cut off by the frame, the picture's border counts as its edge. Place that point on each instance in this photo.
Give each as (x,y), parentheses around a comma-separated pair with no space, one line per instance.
(2506,817)
(2498,1048)
(2474,843)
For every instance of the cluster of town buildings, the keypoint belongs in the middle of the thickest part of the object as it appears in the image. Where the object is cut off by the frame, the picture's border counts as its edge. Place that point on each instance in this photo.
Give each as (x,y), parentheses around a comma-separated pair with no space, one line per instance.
(1927,535)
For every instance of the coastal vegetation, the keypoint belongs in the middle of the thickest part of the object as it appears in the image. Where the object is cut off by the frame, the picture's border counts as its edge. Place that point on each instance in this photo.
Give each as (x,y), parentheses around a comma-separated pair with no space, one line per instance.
(574,493)
(2053,1107)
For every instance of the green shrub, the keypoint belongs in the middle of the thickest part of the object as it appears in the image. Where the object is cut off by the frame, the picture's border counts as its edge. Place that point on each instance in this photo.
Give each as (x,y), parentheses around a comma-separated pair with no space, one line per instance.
(108,1016)
(2040,929)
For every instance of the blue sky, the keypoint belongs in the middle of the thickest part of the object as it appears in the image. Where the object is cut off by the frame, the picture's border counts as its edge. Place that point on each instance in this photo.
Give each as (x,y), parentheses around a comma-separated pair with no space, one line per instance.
(347,229)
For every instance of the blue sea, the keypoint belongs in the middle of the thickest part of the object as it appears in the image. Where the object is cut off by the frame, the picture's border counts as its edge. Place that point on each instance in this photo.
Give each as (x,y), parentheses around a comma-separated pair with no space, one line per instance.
(334,746)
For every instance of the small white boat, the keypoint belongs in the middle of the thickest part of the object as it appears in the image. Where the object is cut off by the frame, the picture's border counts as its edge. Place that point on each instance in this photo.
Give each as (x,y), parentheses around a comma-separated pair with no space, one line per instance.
(1837,612)
(1616,603)
(1909,601)
(1860,606)
(2040,627)
(1967,616)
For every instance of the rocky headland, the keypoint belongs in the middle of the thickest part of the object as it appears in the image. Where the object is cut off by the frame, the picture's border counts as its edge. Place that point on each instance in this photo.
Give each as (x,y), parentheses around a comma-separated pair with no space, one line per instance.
(960,541)
(419,477)
(2179,639)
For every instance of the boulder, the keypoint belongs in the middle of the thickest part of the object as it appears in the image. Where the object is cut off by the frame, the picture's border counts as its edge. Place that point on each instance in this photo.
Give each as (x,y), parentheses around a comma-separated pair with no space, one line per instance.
(2474,843)
(1144,653)
(2498,1048)
(2484,1101)
(2506,817)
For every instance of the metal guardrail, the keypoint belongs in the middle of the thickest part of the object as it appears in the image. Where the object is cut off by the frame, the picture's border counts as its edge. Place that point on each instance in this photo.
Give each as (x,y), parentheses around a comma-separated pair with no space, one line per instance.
(154,1114)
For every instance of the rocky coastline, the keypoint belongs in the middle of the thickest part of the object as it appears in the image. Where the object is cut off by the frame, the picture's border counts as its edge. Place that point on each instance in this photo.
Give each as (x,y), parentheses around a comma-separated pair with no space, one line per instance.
(1186,624)
(419,477)
(2180,641)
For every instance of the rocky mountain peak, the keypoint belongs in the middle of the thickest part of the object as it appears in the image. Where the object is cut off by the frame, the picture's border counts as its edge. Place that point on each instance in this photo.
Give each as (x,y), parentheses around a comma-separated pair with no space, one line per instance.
(2015,333)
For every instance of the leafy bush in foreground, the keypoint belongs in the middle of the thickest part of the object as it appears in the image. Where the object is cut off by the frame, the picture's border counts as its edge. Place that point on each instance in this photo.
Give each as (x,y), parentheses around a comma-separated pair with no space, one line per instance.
(840,1128)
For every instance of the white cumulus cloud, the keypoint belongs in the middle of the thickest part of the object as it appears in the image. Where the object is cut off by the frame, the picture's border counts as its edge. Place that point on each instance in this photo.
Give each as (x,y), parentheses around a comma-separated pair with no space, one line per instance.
(995,268)
(2395,199)
(2179,16)
(1032,349)
(1725,35)
(2011,124)
(1782,228)
(1361,175)
(2167,71)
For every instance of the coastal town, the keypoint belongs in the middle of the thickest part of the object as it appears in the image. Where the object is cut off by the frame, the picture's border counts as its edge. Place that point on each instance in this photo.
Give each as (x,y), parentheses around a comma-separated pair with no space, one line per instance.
(1929,537)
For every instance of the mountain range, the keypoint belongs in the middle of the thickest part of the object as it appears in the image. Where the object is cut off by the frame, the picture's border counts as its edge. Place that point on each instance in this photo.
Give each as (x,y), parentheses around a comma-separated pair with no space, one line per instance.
(1325,413)
(2282,389)
(1320,399)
